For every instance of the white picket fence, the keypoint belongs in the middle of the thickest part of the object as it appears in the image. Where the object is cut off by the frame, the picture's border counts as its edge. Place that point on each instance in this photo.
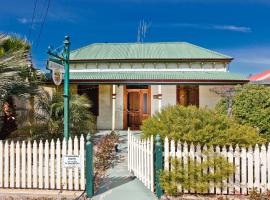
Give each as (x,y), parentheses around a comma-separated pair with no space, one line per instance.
(40,165)
(141,159)
(252,165)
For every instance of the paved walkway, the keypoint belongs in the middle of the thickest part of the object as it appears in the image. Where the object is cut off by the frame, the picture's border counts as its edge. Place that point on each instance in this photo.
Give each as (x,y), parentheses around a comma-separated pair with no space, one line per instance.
(119,183)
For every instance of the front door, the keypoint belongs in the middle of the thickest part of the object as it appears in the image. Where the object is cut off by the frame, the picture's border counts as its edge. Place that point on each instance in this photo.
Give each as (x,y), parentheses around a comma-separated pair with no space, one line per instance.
(136,106)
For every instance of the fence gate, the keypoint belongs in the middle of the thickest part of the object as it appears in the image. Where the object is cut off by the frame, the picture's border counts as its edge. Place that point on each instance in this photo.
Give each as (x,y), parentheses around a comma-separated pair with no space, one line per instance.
(141,159)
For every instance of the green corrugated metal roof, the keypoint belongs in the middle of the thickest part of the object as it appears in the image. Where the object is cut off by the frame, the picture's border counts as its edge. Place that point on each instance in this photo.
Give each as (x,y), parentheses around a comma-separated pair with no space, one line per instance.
(157,75)
(160,50)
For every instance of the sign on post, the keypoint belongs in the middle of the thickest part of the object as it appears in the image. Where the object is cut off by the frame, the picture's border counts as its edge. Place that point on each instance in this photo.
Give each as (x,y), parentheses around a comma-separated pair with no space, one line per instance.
(57,72)
(71,161)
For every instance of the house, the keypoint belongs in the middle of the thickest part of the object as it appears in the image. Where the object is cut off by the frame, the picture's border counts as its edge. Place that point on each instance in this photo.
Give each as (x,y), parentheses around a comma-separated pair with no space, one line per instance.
(128,82)
(261,78)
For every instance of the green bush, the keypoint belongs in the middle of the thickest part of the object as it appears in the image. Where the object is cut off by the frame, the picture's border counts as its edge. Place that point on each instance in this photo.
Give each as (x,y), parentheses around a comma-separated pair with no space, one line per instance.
(190,176)
(49,118)
(251,106)
(199,125)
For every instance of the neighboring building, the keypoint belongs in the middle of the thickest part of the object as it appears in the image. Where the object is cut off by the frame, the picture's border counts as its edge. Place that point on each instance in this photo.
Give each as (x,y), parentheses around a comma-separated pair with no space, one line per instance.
(261,78)
(128,82)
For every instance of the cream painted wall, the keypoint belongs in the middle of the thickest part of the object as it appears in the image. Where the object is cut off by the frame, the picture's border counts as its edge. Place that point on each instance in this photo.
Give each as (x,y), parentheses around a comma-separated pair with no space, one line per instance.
(119,107)
(168,96)
(206,97)
(104,120)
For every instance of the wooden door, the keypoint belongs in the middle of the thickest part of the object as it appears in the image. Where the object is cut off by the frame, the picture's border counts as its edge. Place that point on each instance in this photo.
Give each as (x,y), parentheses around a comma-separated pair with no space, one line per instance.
(137,107)
(134,109)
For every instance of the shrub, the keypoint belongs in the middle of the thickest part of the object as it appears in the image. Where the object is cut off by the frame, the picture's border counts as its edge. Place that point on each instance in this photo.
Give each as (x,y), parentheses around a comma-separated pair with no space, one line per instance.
(104,155)
(191,176)
(49,117)
(251,106)
(199,125)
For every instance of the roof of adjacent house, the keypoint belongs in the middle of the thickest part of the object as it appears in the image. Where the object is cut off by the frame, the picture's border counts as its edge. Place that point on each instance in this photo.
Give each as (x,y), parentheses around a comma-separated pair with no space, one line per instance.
(145,51)
(261,76)
(158,77)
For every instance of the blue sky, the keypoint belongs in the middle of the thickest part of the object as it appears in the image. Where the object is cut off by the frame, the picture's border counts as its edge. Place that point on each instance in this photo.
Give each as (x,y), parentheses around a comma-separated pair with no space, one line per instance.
(239,28)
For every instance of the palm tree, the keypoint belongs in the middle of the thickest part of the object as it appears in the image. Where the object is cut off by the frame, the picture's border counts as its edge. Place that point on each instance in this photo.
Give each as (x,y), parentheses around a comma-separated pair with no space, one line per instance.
(17,75)
(50,113)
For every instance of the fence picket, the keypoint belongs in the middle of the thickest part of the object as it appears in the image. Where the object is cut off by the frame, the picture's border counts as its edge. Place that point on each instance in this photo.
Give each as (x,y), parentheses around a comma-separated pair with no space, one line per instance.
(244,170)
(166,154)
(268,165)
(29,165)
(231,179)
(40,165)
(82,170)
(212,171)
(218,185)
(152,162)
(185,160)
(76,170)
(6,165)
(18,165)
(1,163)
(145,161)
(46,165)
(192,157)
(23,170)
(52,165)
(12,165)
(204,159)
(250,156)
(224,182)
(35,164)
(64,170)
(263,168)
(70,171)
(237,170)
(257,166)
(58,164)
(148,165)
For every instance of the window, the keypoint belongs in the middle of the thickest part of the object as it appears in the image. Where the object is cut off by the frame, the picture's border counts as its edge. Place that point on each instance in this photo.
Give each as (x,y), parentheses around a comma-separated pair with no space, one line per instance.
(188,95)
(92,92)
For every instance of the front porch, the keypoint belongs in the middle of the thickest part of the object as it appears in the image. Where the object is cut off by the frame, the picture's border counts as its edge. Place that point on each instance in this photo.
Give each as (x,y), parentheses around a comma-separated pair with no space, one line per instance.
(119,106)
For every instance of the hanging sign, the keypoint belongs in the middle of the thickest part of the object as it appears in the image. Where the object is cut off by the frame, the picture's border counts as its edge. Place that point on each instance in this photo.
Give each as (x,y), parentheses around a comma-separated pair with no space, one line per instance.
(71,161)
(57,72)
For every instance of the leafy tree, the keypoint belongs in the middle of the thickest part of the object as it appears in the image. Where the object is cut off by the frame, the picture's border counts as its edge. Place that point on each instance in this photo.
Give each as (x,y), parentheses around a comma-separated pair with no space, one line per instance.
(251,106)
(199,125)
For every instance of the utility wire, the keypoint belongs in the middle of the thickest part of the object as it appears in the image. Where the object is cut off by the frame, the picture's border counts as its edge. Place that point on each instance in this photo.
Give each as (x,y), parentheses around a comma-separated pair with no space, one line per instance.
(32,20)
(43,22)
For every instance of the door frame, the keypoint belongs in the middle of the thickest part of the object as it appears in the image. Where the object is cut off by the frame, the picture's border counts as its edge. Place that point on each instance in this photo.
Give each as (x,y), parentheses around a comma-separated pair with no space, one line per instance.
(125,99)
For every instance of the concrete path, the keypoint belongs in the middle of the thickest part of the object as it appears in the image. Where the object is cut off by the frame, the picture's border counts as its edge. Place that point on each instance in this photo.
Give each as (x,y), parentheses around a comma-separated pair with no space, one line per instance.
(119,183)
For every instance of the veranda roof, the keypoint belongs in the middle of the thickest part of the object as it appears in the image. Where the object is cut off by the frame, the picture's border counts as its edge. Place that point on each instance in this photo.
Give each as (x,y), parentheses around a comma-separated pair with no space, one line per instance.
(158,77)
(144,51)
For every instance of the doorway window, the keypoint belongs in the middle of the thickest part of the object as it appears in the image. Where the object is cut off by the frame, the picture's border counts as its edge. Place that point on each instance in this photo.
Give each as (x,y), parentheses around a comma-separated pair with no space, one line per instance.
(92,92)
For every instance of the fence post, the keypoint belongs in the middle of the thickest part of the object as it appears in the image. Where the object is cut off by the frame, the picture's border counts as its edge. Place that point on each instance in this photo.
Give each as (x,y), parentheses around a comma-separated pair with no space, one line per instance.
(89,167)
(158,165)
